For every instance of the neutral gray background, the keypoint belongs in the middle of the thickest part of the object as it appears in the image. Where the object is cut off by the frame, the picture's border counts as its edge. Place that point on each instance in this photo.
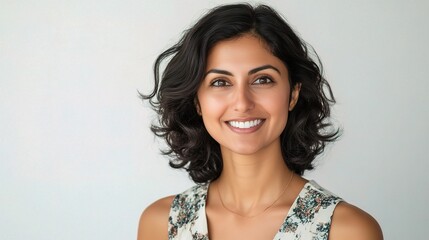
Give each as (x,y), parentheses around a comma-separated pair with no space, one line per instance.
(77,160)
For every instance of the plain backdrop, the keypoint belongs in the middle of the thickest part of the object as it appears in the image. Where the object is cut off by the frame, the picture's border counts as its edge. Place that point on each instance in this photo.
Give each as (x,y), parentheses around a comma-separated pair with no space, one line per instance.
(77,159)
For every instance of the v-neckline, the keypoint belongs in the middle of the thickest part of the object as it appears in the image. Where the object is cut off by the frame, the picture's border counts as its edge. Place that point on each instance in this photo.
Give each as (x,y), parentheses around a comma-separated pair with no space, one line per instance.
(202,211)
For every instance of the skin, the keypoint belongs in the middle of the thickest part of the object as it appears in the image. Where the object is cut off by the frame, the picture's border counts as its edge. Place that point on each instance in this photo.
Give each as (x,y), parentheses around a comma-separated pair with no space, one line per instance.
(245,82)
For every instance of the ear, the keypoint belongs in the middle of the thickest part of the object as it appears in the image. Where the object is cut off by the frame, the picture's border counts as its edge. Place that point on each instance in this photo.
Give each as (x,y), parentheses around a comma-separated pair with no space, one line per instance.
(294,96)
(197,106)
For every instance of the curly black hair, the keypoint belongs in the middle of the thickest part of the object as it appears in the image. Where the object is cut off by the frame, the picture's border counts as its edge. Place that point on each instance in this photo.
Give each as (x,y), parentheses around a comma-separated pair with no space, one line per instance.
(189,144)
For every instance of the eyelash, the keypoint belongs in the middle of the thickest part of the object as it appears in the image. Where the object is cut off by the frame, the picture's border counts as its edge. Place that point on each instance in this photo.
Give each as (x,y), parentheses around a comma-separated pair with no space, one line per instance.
(215,83)
(225,83)
(268,80)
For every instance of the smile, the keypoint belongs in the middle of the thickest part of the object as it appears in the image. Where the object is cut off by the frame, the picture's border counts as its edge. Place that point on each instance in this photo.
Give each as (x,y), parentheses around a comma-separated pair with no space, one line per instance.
(245,124)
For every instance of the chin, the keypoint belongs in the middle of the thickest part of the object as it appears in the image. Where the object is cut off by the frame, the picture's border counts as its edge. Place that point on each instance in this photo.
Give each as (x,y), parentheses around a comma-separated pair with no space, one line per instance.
(243,150)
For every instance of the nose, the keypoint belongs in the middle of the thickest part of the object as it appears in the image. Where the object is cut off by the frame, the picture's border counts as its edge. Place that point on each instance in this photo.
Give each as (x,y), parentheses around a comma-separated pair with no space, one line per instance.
(243,99)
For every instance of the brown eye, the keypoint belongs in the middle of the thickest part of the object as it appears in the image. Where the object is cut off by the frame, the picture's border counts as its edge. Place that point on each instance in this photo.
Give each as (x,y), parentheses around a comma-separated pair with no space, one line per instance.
(219,83)
(263,80)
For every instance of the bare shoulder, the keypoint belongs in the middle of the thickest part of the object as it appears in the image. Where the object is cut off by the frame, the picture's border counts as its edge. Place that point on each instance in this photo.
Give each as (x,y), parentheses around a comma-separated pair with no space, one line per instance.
(351,223)
(153,223)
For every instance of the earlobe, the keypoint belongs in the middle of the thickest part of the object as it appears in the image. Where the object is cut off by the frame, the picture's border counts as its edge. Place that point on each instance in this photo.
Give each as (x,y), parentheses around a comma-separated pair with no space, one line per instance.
(294,96)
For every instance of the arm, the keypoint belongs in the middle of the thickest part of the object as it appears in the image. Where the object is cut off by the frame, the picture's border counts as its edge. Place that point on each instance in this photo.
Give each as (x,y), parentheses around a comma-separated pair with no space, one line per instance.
(352,223)
(153,223)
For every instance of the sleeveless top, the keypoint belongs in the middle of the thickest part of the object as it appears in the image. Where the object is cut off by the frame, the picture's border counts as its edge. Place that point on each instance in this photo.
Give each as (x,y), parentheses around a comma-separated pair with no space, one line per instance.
(309,217)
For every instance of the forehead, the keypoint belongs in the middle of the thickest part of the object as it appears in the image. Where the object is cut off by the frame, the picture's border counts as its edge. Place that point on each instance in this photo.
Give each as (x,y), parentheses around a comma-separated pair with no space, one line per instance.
(245,51)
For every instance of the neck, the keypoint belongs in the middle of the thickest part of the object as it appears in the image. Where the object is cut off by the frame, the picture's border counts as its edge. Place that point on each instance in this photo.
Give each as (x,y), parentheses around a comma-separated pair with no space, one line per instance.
(249,183)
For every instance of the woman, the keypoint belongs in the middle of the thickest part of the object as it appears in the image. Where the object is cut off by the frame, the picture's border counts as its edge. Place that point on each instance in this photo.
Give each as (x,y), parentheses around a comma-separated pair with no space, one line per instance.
(243,109)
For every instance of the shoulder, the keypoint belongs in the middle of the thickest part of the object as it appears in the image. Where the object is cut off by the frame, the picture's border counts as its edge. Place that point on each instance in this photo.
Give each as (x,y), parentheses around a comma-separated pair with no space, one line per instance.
(351,223)
(153,223)
(323,198)
(313,188)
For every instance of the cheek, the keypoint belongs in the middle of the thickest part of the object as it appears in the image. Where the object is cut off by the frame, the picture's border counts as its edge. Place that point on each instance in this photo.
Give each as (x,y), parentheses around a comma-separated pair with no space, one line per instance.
(277,104)
(211,114)
(211,108)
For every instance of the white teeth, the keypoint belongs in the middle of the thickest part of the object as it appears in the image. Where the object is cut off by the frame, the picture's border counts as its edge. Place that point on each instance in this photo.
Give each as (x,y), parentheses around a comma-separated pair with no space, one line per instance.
(246,124)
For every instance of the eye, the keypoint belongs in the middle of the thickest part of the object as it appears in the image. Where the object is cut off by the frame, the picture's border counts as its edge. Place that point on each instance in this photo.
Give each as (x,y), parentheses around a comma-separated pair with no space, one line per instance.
(263,80)
(219,83)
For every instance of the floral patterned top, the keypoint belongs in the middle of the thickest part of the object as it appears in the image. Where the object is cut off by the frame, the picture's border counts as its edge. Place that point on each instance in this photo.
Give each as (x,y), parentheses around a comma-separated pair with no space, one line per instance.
(309,217)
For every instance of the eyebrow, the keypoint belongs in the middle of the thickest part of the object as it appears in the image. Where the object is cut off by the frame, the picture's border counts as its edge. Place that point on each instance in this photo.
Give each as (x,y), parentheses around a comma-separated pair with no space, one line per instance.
(252,71)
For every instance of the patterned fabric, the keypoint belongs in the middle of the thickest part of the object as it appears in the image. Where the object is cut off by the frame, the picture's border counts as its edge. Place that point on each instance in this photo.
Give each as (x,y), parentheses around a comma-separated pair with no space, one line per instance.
(309,217)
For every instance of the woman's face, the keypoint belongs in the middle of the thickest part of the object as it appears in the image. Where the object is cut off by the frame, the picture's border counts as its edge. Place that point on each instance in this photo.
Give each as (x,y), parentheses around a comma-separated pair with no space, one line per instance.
(244,96)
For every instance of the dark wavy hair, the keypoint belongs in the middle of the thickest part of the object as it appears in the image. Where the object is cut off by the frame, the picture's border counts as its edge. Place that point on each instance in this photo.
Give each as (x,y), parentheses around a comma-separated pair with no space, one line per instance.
(174,95)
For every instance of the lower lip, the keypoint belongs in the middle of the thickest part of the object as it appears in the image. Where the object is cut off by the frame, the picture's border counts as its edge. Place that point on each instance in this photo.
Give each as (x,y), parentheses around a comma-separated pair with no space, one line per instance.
(245,130)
